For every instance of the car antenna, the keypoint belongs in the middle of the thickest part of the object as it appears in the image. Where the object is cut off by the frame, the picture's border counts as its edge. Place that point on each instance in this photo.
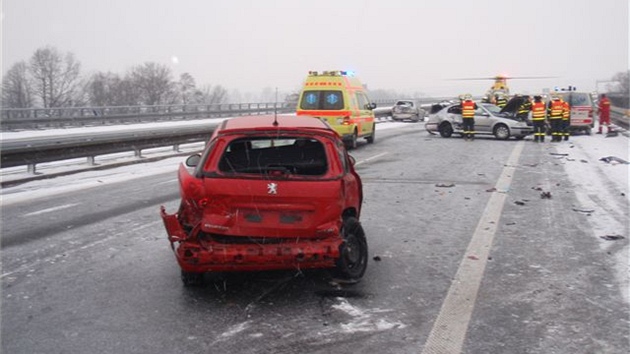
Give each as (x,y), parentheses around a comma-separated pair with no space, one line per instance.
(275,110)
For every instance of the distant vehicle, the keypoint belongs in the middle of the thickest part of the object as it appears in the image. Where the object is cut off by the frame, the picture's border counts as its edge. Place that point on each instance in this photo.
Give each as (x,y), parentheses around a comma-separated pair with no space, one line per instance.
(582,108)
(269,193)
(488,121)
(407,109)
(340,98)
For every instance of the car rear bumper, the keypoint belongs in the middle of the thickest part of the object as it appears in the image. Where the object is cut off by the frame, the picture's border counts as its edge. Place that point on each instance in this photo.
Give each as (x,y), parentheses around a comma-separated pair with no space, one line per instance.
(199,256)
(218,257)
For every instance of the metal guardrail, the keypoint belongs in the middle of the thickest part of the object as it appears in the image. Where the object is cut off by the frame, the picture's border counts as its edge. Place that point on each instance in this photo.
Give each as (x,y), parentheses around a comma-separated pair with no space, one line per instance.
(28,119)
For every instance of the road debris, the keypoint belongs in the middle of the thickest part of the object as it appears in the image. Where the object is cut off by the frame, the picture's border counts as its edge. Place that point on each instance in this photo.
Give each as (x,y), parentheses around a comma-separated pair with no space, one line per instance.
(612,134)
(558,154)
(583,161)
(612,237)
(609,159)
(545,195)
(518,202)
(583,210)
(491,190)
(377,258)
(473,257)
(445,185)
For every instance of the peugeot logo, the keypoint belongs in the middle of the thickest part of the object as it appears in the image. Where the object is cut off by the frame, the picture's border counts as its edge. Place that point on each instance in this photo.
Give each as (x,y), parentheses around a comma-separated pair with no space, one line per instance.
(272,188)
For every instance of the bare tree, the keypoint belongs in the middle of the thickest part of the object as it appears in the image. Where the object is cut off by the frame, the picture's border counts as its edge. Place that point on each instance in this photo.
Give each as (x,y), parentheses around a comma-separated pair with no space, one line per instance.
(211,95)
(16,87)
(187,87)
(55,77)
(101,89)
(623,82)
(153,82)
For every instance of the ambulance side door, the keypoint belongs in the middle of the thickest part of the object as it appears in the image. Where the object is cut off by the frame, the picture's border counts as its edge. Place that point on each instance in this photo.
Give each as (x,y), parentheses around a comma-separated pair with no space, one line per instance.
(366,118)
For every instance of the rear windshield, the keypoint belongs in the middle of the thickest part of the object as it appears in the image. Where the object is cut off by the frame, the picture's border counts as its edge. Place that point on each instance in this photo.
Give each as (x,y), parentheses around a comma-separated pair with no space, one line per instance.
(322,100)
(577,98)
(285,156)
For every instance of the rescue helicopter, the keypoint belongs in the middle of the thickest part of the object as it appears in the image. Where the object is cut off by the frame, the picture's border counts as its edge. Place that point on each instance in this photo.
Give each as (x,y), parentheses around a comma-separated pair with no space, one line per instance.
(500,87)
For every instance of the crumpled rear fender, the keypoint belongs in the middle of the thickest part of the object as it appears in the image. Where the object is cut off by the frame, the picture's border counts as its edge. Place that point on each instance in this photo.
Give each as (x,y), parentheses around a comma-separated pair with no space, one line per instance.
(173,227)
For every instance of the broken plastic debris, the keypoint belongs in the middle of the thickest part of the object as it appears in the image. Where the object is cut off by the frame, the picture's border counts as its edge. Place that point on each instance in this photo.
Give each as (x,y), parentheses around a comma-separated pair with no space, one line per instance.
(609,159)
(473,257)
(445,185)
(377,258)
(583,210)
(518,202)
(491,190)
(612,237)
(612,133)
(558,154)
(583,161)
(545,195)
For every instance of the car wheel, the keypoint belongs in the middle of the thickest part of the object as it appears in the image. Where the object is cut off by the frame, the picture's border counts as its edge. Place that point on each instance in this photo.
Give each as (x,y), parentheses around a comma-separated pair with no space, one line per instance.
(191,279)
(353,141)
(587,131)
(446,130)
(370,139)
(502,132)
(353,252)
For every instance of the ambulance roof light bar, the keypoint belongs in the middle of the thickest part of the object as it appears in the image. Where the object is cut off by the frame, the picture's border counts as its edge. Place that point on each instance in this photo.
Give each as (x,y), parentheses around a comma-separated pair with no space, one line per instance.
(332,73)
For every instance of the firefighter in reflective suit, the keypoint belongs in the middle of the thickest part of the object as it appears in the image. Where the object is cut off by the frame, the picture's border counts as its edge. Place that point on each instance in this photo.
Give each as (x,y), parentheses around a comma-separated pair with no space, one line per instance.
(538,119)
(555,107)
(468,117)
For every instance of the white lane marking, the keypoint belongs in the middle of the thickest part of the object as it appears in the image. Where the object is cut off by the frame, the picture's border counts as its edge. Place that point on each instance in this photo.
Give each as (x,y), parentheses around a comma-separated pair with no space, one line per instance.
(170,181)
(370,158)
(449,330)
(44,211)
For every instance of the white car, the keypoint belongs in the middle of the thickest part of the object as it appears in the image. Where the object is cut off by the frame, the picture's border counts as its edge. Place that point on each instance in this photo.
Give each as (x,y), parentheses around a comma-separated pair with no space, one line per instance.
(489,120)
(407,109)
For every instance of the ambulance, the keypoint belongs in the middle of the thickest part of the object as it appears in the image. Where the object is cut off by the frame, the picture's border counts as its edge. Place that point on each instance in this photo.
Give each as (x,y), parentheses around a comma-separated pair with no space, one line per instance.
(340,99)
(581,105)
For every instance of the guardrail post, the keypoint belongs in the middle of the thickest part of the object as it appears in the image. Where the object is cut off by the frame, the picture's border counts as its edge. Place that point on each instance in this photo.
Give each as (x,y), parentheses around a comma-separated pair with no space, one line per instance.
(90,161)
(137,152)
(176,147)
(31,169)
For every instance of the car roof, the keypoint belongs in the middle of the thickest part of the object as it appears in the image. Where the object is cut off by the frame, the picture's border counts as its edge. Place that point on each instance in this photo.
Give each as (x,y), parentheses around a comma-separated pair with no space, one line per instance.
(266,122)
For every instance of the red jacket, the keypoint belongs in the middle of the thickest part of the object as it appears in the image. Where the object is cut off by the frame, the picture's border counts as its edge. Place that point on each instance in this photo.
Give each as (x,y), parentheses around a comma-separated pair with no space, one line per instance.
(604,107)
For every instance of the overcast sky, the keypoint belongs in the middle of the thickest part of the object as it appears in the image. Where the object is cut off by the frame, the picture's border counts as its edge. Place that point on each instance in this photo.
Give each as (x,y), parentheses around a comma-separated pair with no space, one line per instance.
(410,46)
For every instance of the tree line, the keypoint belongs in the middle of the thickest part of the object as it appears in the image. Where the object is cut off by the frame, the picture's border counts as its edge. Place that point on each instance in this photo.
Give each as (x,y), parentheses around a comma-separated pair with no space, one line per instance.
(52,79)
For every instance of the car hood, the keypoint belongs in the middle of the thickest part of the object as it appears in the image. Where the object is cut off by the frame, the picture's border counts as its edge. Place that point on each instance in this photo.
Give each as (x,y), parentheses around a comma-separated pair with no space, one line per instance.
(512,105)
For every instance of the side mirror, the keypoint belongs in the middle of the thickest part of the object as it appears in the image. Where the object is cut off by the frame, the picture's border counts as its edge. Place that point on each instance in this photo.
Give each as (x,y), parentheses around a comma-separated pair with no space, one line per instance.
(372,105)
(193,160)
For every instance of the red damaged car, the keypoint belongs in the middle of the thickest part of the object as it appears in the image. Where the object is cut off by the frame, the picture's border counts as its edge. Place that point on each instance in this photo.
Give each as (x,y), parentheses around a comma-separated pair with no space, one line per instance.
(269,192)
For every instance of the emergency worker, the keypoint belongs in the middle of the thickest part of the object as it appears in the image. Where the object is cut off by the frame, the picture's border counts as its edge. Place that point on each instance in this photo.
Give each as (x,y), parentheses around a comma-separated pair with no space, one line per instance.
(604,113)
(566,120)
(468,117)
(500,100)
(538,119)
(555,107)
(524,108)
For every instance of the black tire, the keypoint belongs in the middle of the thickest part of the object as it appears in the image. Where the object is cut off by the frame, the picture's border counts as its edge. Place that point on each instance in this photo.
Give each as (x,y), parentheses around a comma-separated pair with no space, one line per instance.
(446,130)
(502,132)
(370,139)
(352,144)
(353,252)
(191,279)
